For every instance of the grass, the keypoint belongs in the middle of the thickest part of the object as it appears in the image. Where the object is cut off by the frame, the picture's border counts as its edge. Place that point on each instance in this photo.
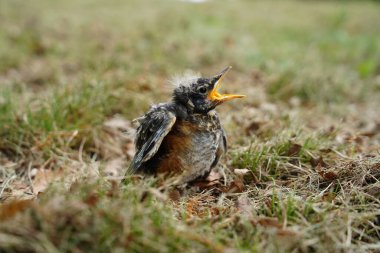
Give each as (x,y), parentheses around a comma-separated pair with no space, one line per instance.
(302,171)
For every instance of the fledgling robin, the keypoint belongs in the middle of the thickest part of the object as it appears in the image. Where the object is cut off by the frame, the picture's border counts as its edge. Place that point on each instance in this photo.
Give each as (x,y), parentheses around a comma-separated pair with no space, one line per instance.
(184,136)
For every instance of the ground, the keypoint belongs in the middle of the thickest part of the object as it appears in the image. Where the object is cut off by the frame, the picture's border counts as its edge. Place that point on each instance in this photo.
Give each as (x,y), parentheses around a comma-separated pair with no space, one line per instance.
(303,167)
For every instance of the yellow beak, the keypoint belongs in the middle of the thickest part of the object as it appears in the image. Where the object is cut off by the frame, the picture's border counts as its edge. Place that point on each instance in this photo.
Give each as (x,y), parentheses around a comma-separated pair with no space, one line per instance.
(215,96)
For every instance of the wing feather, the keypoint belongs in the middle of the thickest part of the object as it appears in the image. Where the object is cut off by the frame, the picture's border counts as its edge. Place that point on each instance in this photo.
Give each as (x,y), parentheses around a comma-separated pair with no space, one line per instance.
(153,128)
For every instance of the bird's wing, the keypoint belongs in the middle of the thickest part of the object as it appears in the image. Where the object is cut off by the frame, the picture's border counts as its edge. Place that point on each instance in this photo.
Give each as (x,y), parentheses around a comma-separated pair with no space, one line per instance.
(153,128)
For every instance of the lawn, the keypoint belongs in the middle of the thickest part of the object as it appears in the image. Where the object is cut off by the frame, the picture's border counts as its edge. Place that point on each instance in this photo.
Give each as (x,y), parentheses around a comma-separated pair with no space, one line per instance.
(302,173)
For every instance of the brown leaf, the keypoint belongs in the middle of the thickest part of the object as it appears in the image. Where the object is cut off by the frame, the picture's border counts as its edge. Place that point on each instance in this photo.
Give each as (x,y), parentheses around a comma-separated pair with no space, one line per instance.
(327,175)
(10,209)
(315,162)
(267,222)
(92,199)
(212,180)
(236,186)
(293,150)
(213,176)
(174,195)
(43,178)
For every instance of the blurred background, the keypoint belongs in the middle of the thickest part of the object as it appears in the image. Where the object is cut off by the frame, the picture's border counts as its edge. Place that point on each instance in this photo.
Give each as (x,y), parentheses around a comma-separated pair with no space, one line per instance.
(70,65)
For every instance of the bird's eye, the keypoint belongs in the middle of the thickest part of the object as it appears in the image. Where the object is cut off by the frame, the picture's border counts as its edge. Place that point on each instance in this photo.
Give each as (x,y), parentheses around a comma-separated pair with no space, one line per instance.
(202,90)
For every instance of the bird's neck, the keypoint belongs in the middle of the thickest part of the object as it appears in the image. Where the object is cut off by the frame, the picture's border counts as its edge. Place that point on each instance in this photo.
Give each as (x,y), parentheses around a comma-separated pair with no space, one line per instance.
(185,111)
(182,111)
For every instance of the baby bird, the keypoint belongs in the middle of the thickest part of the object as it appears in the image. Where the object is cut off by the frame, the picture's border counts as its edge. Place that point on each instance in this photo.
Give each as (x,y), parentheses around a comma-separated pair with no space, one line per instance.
(183,137)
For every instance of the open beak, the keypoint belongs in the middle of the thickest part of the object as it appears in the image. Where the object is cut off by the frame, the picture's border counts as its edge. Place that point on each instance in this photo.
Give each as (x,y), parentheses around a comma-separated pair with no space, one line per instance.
(217,97)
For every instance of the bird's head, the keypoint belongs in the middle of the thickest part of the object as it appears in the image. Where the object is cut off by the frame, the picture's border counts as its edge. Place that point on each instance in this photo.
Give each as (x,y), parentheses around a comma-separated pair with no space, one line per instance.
(200,94)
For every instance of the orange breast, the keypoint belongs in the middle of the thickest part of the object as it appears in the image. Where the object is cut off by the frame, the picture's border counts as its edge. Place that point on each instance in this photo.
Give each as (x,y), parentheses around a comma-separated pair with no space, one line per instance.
(177,143)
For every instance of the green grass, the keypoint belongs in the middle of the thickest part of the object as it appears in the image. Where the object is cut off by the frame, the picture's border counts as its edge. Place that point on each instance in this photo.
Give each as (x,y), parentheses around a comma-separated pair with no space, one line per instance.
(307,132)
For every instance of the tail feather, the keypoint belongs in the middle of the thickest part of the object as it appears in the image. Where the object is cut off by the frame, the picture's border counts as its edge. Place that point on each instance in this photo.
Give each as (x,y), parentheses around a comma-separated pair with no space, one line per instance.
(135,164)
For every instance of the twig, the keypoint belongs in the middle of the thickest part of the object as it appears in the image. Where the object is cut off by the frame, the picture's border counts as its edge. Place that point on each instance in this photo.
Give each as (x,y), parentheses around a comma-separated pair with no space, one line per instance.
(341,155)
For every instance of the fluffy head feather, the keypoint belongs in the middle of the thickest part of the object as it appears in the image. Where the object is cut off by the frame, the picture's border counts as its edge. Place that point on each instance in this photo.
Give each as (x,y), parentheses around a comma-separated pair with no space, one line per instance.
(186,79)
(191,91)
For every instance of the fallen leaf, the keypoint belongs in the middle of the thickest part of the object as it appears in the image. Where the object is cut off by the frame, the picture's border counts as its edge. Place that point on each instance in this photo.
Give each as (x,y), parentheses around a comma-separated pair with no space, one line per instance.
(266,222)
(42,179)
(213,176)
(293,150)
(92,199)
(174,195)
(10,209)
(212,180)
(237,186)
(327,175)
(319,161)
